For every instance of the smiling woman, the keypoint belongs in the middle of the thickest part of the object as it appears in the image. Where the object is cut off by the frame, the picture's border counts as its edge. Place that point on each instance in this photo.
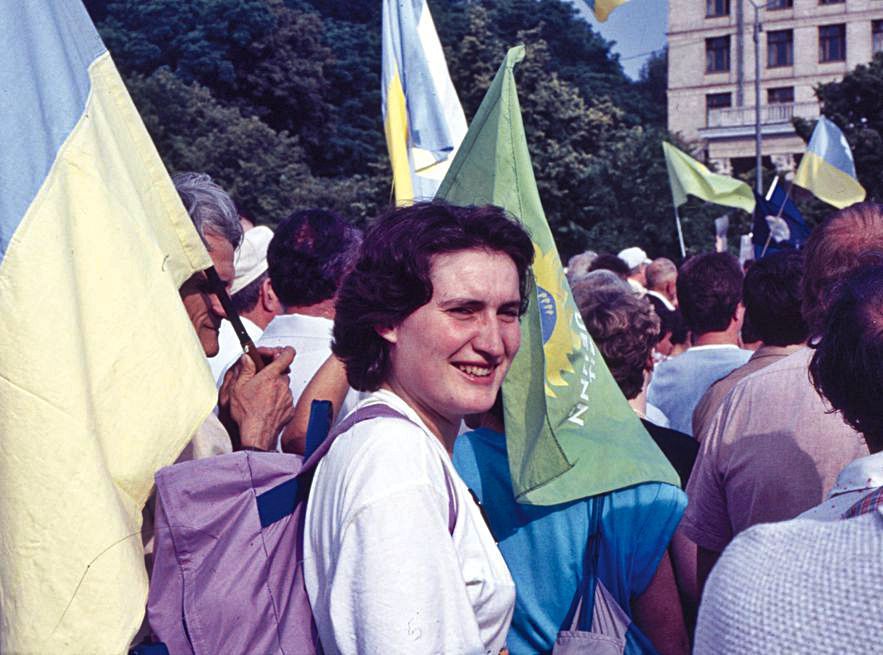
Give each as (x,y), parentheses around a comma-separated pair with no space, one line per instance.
(397,555)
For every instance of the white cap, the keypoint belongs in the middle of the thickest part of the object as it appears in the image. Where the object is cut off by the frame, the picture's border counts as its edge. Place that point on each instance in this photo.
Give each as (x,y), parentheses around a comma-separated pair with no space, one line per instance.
(633,256)
(251,257)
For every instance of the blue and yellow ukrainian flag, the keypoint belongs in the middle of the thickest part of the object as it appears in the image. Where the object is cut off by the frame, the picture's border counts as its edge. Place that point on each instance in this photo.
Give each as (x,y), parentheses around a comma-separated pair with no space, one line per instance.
(422,116)
(602,8)
(102,379)
(828,169)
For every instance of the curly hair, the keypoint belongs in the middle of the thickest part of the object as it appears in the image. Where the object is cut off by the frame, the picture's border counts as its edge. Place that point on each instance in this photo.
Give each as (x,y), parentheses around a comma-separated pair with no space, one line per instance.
(391,278)
(625,328)
(709,291)
(847,366)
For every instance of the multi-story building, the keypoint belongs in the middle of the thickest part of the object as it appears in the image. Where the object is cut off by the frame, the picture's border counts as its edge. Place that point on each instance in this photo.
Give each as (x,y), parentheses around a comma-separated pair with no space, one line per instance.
(711,69)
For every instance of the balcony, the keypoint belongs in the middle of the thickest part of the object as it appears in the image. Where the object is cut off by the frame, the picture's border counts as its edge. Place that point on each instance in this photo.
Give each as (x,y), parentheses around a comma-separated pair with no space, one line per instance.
(738,122)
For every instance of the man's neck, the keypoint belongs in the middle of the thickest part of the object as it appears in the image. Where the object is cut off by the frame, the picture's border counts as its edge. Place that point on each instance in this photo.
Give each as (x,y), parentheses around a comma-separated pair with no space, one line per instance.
(258,317)
(324,309)
(724,338)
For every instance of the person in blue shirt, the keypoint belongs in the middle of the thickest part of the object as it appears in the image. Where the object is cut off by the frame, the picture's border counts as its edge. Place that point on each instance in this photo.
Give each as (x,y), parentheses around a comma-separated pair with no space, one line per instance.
(545,548)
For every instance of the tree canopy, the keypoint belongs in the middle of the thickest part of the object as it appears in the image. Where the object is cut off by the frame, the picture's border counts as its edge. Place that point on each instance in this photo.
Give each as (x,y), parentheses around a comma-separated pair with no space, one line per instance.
(280,101)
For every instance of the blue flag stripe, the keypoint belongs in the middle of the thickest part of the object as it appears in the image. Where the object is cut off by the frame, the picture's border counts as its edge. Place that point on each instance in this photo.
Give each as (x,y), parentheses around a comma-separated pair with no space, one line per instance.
(42,96)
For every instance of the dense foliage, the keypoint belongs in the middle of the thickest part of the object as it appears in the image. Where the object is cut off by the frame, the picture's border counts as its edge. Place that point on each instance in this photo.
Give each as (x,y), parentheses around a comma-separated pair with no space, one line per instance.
(280,101)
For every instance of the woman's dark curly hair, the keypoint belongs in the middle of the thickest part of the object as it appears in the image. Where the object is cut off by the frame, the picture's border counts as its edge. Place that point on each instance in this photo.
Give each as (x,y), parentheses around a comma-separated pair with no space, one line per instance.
(391,278)
(847,367)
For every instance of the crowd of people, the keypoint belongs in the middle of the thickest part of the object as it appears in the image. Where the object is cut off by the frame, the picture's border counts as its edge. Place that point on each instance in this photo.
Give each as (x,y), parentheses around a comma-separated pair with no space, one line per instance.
(760,384)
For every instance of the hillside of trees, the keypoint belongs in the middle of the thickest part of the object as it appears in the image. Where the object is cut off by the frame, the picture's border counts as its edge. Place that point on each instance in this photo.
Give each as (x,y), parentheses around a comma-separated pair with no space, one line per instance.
(280,101)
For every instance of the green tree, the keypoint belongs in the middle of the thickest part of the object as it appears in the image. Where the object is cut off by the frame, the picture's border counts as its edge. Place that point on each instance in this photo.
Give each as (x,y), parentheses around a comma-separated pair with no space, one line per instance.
(652,86)
(199,40)
(263,170)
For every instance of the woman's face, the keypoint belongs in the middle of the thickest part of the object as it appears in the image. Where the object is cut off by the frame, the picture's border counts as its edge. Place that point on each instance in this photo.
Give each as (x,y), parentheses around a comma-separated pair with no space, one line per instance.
(449,357)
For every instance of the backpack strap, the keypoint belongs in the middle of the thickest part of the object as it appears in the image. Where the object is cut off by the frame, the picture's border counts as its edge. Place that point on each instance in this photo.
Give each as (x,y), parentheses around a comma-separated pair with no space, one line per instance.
(585,598)
(278,502)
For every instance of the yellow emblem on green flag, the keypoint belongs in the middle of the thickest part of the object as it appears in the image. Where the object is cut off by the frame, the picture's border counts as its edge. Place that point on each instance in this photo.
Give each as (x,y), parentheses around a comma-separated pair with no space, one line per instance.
(569,431)
(688,176)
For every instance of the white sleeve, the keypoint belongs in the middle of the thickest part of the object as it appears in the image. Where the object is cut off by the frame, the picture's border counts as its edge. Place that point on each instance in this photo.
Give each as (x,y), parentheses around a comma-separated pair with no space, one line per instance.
(397,586)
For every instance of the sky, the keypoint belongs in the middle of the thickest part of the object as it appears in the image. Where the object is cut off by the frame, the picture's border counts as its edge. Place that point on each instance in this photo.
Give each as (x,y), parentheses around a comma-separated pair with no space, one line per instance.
(638,28)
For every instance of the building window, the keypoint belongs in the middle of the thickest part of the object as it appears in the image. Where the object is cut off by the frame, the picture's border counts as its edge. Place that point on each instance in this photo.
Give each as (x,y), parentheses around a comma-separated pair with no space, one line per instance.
(832,43)
(780,95)
(714,8)
(877,36)
(717,54)
(780,48)
(780,4)
(831,2)
(718,101)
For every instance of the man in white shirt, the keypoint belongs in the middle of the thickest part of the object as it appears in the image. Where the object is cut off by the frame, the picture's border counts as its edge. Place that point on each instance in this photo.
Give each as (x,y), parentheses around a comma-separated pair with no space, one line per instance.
(307,260)
(252,295)
(662,279)
(710,294)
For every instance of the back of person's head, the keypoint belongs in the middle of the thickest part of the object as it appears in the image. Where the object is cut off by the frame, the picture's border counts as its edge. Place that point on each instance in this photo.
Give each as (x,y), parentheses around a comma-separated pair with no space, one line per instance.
(210,207)
(673,322)
(309,256)
(392,277)
(608,262)
(578,265)
(598,279)
(847,367)
(846,240)
(709,291)
(771,295)
(660,271)
(625,328)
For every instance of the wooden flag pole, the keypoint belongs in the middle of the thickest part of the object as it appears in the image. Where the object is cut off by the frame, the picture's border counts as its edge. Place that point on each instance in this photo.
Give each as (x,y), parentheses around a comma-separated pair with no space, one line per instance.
(220,290)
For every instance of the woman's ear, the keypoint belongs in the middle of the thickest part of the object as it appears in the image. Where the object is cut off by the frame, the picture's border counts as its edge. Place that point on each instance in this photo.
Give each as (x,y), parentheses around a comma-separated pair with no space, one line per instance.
(389,334)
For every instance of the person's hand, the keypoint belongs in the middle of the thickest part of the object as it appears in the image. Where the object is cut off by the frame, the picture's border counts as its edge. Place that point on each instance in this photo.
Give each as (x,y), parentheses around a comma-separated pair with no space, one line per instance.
(255,406)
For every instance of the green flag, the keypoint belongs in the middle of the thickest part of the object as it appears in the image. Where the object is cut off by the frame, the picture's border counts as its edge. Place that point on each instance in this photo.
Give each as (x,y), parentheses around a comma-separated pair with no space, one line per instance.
(686,175)
(569,431)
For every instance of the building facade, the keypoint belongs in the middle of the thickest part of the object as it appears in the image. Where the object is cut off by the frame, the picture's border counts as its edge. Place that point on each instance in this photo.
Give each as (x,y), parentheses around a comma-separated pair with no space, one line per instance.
(711,70)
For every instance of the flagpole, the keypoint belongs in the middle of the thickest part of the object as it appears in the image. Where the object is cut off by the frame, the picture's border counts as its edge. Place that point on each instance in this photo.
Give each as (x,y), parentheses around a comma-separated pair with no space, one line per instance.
(680,234)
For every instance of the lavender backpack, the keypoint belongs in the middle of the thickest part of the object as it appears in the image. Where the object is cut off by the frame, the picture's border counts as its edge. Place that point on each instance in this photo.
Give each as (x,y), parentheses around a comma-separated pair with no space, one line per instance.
(227,574)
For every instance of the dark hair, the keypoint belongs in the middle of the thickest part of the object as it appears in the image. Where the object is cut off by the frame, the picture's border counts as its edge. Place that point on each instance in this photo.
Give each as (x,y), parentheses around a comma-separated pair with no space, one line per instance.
(845,241)
(709,290)
(608,262)
(847,367)
(247,297)
(673,321)
(311,252)
(625,328)
(771,294)
(391,278)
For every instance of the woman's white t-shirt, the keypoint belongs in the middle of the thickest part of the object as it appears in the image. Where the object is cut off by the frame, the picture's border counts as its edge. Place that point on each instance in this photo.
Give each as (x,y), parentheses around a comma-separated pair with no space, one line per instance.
(382,572)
